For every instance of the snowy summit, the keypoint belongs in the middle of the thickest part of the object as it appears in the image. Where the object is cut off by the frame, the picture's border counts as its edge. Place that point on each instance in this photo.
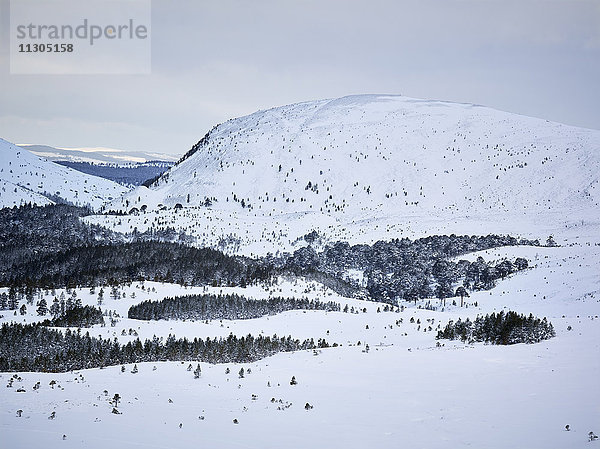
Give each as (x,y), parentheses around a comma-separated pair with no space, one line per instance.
(390,161)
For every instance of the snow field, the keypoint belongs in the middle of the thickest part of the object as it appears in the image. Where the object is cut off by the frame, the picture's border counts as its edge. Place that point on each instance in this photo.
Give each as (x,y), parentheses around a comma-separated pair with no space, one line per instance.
(405,391)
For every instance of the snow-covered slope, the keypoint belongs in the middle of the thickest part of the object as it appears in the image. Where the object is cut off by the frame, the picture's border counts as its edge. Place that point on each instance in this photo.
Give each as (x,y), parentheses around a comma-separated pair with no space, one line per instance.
(25,177)
(406,391)
(383,159)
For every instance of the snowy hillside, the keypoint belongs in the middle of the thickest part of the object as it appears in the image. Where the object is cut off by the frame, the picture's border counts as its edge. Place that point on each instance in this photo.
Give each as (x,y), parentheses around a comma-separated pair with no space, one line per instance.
(25,177)
(396,388)
(381,374)
(366,167)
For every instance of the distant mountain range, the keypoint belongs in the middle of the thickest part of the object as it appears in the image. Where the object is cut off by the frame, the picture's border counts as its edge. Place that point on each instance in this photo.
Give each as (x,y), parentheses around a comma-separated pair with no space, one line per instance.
(125,167)
(27,178)
(132,174)
(97,155)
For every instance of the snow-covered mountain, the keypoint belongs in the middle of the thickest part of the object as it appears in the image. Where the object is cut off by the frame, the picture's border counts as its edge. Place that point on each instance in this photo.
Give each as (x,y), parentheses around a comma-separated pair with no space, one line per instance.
(97,155)
(355,169)
(355,164)
(27,178)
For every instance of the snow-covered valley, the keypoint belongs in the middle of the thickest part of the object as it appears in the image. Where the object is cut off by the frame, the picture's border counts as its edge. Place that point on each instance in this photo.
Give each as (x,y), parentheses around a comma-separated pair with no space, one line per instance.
(405,390)
(359,170)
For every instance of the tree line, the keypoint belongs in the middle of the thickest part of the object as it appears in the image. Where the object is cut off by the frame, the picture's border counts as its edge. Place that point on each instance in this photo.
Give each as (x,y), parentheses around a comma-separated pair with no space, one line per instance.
(116,263)
(34,347)
(404,269)
(222,307)
(46,247)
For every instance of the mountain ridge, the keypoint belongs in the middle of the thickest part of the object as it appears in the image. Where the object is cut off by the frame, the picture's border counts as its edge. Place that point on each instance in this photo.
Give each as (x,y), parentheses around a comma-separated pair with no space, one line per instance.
(27,178)
(217,162)
(372,167)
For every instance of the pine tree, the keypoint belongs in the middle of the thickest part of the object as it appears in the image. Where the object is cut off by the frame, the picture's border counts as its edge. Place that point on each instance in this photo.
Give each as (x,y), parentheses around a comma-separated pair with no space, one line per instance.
(13,301)
(462,292)
(55,308)
(42,307)
(29,295)
(76,300)
(197,372)
(69,304)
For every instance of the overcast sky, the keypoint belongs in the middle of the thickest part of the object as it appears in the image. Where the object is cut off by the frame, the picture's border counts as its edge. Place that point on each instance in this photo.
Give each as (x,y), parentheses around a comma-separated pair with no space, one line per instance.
(215,60)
